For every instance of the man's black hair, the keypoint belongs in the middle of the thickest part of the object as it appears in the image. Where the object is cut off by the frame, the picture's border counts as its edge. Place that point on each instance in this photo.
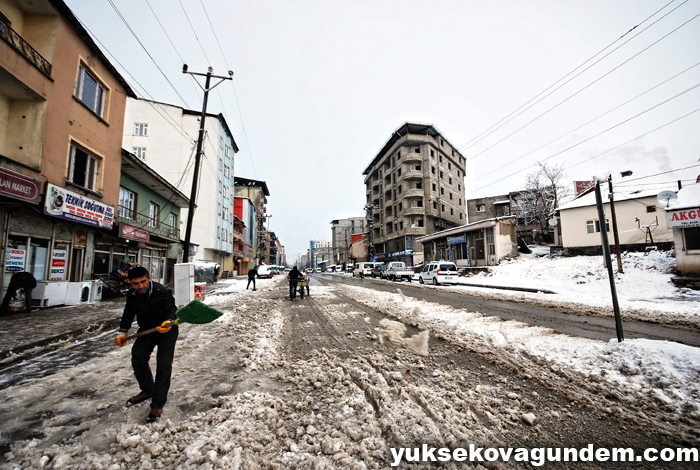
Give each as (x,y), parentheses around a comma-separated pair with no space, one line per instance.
(138,271)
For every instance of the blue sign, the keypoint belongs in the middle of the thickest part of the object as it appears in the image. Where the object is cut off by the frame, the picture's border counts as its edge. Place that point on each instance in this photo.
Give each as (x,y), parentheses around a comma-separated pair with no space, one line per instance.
(457,240)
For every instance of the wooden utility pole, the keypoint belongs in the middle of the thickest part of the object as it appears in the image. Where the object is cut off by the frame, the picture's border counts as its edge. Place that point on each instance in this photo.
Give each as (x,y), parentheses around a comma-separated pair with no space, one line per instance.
(198,156)
(614,226)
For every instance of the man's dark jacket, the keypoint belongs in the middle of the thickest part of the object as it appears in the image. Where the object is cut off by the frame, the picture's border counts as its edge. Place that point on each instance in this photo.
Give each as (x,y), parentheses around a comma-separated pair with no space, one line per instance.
(150,309)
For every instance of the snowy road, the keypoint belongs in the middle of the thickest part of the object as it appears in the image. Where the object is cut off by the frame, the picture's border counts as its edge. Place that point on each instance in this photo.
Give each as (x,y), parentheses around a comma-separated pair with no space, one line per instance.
(308,384)
(577,320)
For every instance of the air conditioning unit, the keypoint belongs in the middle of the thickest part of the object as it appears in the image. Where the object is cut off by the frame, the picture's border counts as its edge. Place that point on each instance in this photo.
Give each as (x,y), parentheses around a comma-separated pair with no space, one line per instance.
(49,293)
(78,293)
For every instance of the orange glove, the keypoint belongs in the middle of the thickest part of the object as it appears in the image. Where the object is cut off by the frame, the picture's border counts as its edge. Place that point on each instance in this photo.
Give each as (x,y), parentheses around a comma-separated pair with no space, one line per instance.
(165,326)
(120,340)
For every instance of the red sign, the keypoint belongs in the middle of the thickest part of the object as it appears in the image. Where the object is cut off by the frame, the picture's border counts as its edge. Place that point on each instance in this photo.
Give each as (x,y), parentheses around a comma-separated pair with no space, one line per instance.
(18,186)
(133,233)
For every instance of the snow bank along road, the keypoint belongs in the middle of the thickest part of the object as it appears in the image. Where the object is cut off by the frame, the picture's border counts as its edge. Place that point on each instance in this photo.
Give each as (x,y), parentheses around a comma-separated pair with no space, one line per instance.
(318,384)
(581,320)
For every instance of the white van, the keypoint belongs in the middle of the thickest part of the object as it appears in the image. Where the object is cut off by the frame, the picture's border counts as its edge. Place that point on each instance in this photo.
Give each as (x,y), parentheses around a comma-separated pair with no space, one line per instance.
(265,271)
(363,269)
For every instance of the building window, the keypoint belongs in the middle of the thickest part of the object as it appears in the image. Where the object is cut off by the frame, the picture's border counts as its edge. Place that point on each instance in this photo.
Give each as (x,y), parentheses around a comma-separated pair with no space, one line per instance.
(434,187)
(416,150)
(432,154)
(434,204)
(450,196)
(460,201)
(226,171)
(651,208)
(460,216)
(481,207)
(172,222)
(140,128)
(153,214)
(440,158)
(399,189)
(443,207)
(593,226)
(398,154)
(458,174)
(419,185)
(459,187)
(442,191)
(400,207)
(449,165)
(127,203)
(420,222)
(401,225)
(140,152)
(83,168)
(432,169)
(90,91)
(452,211)
(441,175)
(398,172)
(419,203)
(418,166)
(449,180)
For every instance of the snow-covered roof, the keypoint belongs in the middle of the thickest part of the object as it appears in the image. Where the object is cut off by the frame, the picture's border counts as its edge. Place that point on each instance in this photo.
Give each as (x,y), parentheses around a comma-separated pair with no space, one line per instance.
(588,199)
(505,201)
(688,196)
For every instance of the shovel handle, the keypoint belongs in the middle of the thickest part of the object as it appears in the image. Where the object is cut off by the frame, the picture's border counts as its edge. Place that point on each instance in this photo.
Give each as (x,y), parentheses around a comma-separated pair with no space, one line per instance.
(147,332)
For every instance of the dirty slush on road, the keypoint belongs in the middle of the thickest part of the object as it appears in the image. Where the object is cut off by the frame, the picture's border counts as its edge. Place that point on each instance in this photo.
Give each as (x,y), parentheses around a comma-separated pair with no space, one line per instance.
(319,383)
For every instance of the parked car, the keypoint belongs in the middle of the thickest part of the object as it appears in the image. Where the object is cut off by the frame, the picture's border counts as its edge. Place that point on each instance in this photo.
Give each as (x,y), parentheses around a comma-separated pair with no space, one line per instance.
(379,270)
(397,270)
(265,272)
(363,269)
(439,272)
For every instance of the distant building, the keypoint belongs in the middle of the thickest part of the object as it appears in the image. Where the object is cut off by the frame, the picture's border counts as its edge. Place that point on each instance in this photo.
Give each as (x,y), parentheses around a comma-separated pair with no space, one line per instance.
(257,193)
(342,231)
(414,186)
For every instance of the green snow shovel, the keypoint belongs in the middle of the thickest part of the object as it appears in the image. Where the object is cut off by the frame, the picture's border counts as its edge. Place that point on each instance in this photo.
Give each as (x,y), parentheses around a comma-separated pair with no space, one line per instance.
(194,312)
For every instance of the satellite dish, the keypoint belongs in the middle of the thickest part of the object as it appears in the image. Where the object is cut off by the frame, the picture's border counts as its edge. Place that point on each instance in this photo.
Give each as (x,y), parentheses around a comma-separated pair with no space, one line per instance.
(667,198)
(553,222)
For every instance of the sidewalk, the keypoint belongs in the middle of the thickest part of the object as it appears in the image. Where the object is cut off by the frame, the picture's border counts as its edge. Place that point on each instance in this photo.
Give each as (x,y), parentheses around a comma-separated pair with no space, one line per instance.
(20,332)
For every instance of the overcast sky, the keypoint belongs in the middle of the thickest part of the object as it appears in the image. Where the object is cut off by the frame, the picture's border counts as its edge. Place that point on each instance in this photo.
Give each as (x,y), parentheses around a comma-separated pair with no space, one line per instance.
(319,87)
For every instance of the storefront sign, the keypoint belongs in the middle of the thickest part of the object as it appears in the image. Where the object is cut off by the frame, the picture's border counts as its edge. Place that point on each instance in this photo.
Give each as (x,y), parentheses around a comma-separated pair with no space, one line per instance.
(683,218)
(14,260)
(133,233)
(18,186)
(457,240)
(72,206)
(59,259)
(395,254)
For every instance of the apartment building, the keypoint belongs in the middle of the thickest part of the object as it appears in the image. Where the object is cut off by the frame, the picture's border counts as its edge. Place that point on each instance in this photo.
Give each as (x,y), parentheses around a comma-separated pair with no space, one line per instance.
(164,136)
(61,121)
(342,231)
(256,193)
(414,187)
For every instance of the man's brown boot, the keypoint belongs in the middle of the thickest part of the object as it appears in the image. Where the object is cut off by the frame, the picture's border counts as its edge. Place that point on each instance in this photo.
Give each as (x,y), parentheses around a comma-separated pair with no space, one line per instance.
(138,398)
(154,415)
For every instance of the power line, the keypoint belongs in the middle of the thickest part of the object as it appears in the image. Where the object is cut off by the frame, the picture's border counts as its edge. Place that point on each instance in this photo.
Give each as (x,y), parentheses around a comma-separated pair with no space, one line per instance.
(589,122)
(585,87)
(595,156)
(663,172)
(147,53)
(501,122)
(193,31)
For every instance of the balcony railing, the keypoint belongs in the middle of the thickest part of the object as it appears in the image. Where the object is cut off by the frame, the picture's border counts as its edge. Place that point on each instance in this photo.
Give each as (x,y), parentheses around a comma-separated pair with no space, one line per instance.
(28,52)
(157,227)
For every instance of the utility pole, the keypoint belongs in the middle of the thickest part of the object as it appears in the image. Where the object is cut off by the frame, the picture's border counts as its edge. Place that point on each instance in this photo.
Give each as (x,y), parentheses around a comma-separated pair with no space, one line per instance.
(608,261)
(614,226)
(198,156)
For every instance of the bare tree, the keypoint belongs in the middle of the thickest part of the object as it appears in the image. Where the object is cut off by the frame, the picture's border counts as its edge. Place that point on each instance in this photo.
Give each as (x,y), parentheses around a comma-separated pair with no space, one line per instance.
(542,195)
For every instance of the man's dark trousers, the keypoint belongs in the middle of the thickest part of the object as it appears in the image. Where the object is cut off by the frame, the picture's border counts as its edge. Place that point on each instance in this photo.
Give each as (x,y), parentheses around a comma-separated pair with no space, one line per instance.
(250,279)
(141,353)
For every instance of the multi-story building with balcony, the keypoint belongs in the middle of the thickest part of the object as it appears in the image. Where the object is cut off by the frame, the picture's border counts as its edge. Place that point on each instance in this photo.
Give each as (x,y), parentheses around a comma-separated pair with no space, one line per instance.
(414,187)
(165,137)
(61,121)
(251,198)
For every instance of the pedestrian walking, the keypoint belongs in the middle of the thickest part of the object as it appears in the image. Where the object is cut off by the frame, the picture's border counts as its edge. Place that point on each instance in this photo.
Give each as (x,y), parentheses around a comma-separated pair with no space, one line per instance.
(252,273)
(21,280)
(294,276)
(153,306)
